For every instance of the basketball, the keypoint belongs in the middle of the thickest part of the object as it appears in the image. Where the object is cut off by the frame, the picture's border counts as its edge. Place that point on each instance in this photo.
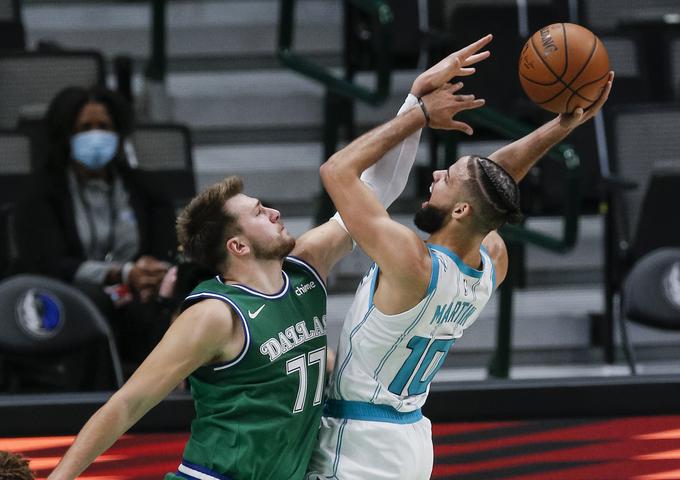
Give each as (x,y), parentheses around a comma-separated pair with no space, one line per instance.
(562,67)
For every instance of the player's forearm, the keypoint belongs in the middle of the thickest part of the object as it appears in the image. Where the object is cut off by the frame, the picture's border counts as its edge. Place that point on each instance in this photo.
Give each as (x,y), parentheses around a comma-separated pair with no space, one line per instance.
(388,177)
(373,145)
(519,156)
(99,433)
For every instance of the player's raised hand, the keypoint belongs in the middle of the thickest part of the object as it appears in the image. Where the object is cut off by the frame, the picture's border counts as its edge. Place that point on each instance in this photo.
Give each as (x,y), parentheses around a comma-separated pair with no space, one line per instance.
(456,64)
(580,116)
(444,103)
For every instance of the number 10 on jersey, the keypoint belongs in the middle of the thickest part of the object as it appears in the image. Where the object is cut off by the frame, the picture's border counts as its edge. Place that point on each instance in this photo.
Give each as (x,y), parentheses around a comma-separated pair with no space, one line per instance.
(425,360)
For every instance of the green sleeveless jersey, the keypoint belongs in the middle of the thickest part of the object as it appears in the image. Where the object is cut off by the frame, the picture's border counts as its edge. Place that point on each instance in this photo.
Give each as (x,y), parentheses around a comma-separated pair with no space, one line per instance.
(257,417)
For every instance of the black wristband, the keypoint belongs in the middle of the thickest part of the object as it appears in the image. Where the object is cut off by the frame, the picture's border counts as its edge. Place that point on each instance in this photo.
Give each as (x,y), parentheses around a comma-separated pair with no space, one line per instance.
(422,107)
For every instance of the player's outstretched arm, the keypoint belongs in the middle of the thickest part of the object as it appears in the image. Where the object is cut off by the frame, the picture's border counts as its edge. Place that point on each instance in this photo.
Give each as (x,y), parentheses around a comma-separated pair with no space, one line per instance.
(397,250)
(325,245)
(519,156)
(199,335)
(388,177)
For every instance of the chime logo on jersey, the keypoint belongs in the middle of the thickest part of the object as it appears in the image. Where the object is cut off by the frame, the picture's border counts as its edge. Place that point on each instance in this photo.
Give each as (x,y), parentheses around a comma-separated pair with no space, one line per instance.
(300,290)
(454,312)
(291,337)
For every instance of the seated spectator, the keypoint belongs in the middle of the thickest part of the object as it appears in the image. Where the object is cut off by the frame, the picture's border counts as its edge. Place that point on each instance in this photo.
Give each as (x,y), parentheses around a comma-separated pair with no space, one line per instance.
(90,222)
(14,467)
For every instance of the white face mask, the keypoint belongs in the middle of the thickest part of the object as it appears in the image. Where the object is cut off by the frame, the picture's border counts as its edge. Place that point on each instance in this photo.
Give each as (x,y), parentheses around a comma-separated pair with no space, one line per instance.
(94,149)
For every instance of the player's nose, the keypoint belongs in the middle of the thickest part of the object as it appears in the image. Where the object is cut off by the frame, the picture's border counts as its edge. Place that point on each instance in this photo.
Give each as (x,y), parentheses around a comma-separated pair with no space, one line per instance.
(274,215)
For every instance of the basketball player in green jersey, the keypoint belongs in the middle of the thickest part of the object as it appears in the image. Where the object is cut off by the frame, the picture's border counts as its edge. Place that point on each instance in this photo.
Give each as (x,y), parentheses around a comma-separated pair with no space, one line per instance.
(252,339)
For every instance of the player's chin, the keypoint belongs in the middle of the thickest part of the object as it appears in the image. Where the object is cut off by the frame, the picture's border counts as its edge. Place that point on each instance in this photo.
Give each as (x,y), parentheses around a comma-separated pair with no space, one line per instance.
(287,245)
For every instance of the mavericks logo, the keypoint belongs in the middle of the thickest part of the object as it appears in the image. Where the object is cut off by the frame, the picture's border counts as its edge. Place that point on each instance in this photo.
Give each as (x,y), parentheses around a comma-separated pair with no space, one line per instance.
(39,314)
(300,290)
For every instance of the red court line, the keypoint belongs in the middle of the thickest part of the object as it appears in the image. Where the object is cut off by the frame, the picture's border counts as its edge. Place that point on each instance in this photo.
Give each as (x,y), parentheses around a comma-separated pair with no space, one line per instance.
(596,431)
(636,448)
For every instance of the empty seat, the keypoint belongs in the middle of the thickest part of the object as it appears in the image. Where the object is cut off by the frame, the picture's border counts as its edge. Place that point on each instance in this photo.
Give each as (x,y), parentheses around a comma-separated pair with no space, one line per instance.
(54,338)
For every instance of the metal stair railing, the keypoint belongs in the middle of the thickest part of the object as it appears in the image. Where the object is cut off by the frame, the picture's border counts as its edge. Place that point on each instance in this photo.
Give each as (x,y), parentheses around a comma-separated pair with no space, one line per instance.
(343,86)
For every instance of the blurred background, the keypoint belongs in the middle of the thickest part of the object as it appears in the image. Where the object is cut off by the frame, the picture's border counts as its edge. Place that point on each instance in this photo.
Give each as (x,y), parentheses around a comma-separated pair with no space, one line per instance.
(267,89)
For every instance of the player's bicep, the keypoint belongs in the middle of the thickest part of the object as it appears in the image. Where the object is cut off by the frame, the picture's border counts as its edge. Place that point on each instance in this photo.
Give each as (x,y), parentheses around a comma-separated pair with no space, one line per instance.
(395,248)
(322,247)
(194,338)
(495,245)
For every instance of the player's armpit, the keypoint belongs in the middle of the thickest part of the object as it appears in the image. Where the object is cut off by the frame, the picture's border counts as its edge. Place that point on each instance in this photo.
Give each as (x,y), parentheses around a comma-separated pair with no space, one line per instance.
(495,245)
(322,247)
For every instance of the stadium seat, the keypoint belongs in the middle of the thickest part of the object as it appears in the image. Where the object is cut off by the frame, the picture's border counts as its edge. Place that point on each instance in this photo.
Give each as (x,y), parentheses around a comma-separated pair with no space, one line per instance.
(606,15)
(162,156)
(15,176)
(30,80)
(53,337)
(675,66)
(11,27)
(651,296)
(643,148)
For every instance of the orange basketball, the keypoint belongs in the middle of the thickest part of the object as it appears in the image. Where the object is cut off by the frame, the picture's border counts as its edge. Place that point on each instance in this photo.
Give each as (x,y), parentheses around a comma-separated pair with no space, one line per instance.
(563,66)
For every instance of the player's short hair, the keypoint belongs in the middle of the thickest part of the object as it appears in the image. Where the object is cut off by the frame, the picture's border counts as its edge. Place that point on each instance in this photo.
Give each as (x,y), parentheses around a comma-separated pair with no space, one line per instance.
(14,467)
(204,226)
(494,194)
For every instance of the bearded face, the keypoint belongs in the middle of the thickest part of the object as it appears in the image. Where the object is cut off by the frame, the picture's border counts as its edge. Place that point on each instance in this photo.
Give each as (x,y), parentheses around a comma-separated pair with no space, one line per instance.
(430,219)
(273,250)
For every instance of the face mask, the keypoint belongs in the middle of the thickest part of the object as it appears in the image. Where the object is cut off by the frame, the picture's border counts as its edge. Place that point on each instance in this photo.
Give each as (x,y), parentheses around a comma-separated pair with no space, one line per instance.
(94,148)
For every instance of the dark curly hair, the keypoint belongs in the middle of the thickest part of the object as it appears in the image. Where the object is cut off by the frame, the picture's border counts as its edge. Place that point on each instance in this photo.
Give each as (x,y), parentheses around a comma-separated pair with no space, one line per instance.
(494,193)
(14,467)
(61,117)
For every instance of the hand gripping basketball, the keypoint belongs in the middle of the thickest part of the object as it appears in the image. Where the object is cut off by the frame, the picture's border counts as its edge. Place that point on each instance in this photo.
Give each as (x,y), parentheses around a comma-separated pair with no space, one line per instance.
(563,67)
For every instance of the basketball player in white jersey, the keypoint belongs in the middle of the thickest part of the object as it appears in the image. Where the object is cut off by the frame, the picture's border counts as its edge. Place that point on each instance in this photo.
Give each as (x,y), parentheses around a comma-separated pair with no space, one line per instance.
(419,297)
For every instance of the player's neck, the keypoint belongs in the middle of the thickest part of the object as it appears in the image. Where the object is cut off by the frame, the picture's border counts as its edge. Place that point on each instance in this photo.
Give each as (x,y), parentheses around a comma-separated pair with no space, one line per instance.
(261,275)
(460,241)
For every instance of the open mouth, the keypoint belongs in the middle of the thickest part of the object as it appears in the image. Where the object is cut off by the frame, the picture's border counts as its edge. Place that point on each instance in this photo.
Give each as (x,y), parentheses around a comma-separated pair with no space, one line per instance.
(426,202)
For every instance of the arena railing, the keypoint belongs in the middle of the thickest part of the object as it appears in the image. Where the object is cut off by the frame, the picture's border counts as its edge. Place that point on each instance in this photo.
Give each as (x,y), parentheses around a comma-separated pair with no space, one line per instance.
(377,9)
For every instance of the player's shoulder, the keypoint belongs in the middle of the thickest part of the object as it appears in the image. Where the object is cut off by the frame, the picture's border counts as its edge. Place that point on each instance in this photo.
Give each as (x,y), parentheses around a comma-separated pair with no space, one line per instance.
(210,309)
(209,315)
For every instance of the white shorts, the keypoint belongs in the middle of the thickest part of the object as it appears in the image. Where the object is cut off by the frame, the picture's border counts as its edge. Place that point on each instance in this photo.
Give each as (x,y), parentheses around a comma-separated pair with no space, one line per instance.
(351,449)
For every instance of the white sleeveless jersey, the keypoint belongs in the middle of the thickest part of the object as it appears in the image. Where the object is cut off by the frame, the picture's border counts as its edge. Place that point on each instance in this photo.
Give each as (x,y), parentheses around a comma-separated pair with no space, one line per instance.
(391,359)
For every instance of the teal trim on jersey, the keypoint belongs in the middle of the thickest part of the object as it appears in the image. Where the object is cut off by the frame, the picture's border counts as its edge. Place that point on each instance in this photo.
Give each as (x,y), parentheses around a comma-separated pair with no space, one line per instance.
(462,266)
(246,328)
(338,447)
(434,275)
(369,412)
(493,267)
(349,353)
(373,282)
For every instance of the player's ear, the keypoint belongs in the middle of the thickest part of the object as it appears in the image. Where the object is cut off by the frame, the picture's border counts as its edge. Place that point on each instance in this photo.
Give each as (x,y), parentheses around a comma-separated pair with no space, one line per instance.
(237,246)
(460,210)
